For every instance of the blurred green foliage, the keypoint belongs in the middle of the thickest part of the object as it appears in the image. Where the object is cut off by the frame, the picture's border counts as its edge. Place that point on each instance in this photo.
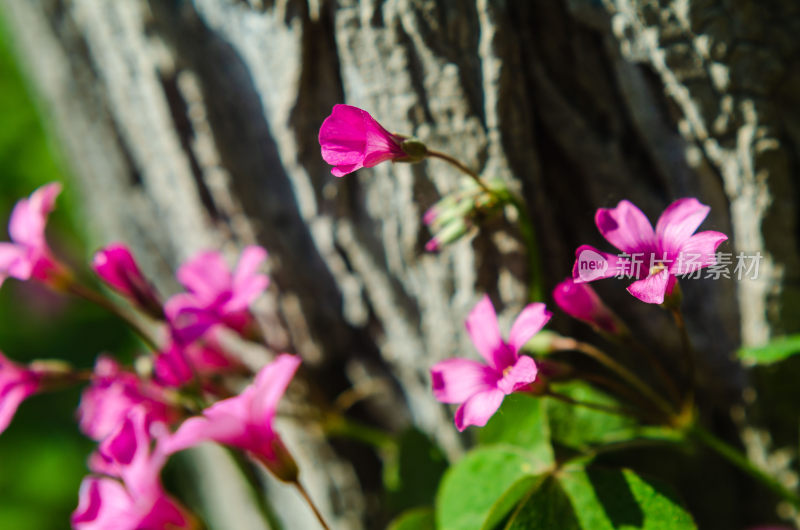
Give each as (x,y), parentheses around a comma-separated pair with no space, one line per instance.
(42,454)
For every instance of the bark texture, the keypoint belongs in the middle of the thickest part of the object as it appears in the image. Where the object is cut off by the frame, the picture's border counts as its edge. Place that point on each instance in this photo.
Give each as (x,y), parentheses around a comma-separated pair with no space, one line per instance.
(192,125)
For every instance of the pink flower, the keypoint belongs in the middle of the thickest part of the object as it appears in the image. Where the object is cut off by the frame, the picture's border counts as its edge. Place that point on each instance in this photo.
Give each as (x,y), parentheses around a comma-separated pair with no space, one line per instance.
(480,388)
(216,296)
(116,266)
(580,301)
(112,393)
(17,383)
(28,255)
(129,495)
(245,421)
(351,139)
(177,364)
(654,257)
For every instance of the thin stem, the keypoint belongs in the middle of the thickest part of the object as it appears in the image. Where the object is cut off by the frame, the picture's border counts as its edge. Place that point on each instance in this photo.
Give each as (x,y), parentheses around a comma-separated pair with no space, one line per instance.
(627,375)
(736,458)
(686,348)
(338,425)
(525,225)
(595,406)
(655,363)
(98,299)
(464,169)
(313,506)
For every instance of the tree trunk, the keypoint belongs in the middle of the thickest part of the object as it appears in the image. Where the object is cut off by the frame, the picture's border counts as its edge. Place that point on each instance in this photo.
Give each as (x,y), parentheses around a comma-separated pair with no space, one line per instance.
(192,125)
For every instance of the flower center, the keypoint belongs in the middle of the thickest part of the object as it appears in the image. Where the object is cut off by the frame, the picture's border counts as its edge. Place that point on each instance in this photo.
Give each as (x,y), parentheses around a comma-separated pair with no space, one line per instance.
(507,370)
(658,267)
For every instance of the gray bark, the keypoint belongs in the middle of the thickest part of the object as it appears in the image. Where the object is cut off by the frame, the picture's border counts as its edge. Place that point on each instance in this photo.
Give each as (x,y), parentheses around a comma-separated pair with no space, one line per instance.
(192,125)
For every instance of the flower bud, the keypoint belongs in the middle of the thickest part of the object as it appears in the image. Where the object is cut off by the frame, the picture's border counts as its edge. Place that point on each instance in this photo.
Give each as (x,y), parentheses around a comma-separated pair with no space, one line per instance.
(580,301)
(115,265)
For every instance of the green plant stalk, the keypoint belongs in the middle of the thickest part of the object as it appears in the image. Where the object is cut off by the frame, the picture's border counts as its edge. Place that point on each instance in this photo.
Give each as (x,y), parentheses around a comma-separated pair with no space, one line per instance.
(98,299)
(627,375)
(739,460)
(594,406)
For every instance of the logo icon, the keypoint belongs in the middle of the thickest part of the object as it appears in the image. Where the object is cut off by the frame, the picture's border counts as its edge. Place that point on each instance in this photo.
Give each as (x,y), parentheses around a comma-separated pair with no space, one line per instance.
(591,265)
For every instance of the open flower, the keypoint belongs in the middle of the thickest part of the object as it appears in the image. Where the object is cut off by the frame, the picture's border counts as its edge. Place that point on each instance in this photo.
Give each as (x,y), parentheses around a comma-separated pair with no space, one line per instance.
(580,301)
(215,295)
(17,383)
(28,256)
(245,421)
(654,257)
(112,394)
(351,139)
(480,388)
(129,494)
(116,266)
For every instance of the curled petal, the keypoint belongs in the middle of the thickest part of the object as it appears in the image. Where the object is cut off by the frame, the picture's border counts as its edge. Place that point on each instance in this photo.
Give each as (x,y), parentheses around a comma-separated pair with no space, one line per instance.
(592,264)
(678,223)
(478,409)
(528,323)
(519,376)
(456,380)
(29,217)
(653,288)
(626,227)
(697,252)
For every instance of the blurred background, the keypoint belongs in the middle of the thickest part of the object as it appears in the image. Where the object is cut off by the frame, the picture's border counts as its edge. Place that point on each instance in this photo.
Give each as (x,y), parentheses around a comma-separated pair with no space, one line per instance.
(42,454)
(189,125)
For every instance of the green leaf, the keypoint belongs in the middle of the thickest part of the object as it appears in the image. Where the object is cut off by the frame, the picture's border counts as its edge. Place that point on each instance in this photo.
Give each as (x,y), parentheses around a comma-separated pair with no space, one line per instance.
(774,351)
(545,507)
(522,422)
(508,500)
(600,499)
(470,489)
(412,477)
(581,427)
(416,519)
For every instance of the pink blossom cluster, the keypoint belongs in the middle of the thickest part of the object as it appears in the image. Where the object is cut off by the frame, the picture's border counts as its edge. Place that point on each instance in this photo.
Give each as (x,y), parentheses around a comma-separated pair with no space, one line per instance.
(139,417)
(351,139)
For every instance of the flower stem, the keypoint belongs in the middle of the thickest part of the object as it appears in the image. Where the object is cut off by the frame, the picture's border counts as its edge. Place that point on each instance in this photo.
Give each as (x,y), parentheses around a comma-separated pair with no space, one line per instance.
(98,299)
(686,348)
(739,460)
(625,374)
(463,168)
(313,506)
(526,228)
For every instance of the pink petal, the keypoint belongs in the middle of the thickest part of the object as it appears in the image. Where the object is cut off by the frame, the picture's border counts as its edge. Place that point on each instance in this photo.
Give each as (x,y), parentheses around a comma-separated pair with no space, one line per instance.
(652,288)
(250,261)
(103,503)
(478,409)
(345,169)
(528,323)
(194,431)
(521,375)
(456,380)
(206,275)
(626,227)
(342,136)
(29,217)
(697,252)
(592,264)
(678,223)
(270,385)
(14,261)
(580,301)
(483,328)
(10,400)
